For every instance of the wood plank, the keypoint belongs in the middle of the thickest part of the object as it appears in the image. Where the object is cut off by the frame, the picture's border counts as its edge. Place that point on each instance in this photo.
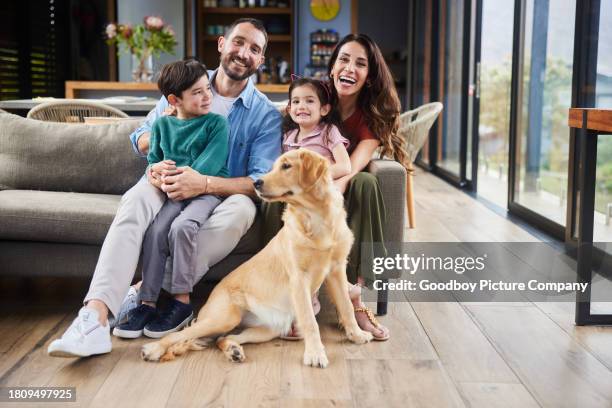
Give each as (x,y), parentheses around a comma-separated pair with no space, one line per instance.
(137,383)
(24,333)
(316,403)
(273,88)
(302,382)
(574,118)
(597,119)
(555,368)
(72,87)
(86,374)
(600,120)
(402,383)
(408,339)
(595,339)
(492,395)
(467,355)
(246,11)
(218,382)
(452,208)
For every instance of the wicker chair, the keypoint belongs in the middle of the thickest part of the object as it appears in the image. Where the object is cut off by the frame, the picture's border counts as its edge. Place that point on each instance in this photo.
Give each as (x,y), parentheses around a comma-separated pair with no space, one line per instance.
(414,127)
(73,111)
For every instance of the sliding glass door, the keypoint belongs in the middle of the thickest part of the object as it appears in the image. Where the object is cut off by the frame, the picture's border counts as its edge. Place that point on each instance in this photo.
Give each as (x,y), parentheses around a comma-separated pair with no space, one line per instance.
(451,70)
(544,95)
(493,75)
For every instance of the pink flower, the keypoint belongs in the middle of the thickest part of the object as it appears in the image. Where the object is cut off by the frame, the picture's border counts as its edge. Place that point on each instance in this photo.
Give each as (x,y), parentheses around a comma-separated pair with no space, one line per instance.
(126,31)
(153,23)
(111,31)
(170,31)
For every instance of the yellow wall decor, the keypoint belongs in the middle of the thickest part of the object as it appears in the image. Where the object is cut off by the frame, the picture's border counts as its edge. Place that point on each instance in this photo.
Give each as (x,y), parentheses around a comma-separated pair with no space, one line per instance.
(324,10)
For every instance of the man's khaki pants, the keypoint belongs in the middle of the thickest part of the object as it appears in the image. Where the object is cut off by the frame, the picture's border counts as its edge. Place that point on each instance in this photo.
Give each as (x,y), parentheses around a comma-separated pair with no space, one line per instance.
(120,252)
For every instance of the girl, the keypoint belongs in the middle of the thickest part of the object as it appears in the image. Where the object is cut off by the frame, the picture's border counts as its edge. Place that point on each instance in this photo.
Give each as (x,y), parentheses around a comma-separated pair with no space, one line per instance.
(311,123)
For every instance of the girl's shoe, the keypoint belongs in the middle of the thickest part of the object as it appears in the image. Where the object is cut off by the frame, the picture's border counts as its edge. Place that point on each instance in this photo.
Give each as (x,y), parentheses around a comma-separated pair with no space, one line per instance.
(137,320)
(176,316)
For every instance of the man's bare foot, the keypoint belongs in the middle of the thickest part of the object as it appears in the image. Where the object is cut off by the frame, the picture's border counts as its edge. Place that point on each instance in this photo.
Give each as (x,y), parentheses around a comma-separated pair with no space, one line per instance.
(364,316)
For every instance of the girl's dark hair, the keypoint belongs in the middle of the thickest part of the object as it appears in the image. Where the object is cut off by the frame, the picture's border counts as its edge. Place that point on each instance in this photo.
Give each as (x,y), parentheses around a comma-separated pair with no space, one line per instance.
(178,76)
(322,89)
(378,99)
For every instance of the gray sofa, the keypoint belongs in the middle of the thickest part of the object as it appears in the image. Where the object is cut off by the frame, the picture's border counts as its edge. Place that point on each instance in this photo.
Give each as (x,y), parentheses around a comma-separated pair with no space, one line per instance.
(60,186)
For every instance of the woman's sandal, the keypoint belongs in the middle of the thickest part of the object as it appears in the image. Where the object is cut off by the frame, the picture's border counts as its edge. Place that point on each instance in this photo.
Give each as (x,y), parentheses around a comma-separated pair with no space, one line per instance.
(372,320)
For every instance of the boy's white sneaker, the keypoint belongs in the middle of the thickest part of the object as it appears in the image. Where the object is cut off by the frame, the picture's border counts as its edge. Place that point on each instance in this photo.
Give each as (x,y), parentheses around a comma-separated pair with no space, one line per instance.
(85,337)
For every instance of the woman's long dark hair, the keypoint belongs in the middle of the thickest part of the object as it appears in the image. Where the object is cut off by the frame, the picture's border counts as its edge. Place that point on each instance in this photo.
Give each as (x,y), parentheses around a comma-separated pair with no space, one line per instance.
(378,98)
(323,92)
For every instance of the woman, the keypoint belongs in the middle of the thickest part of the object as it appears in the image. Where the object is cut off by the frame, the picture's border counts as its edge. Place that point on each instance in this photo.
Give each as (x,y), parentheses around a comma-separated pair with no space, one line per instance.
(364,93)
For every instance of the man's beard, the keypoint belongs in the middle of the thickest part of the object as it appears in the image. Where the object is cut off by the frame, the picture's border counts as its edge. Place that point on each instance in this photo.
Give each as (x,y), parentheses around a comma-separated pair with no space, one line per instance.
(249,70)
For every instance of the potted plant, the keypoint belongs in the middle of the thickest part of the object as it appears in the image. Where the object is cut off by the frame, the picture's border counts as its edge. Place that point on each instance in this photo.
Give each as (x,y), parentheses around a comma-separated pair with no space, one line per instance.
(143,42)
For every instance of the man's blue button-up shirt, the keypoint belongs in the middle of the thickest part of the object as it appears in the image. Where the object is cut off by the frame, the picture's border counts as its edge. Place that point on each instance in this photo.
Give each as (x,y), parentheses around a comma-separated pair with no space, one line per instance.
(254,136)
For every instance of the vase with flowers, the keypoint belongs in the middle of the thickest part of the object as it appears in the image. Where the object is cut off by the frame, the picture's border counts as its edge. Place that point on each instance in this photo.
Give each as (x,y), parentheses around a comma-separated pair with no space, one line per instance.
(143,42)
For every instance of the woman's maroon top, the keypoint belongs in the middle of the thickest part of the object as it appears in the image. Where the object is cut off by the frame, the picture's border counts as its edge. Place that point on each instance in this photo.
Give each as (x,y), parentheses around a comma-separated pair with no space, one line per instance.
(355,129)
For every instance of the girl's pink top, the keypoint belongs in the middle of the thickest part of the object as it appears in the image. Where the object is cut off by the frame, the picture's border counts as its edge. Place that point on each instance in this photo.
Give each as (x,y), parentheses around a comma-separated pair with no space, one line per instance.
(315,141)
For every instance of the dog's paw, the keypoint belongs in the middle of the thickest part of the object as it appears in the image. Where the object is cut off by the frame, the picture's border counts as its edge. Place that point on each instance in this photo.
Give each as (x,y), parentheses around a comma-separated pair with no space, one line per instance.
(234,353)
(316,358)
(152,351)
(359,336)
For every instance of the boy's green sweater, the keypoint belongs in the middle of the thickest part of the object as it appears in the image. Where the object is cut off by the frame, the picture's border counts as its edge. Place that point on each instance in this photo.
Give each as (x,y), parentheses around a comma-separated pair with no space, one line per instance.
(200,143)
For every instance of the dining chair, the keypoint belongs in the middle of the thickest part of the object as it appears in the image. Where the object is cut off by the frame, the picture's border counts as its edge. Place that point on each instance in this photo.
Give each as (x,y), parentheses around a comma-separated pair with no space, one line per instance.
(73,111)
(414,127)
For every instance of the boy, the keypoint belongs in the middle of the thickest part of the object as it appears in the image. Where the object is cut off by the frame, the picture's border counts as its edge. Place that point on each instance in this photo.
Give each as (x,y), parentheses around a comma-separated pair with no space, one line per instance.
(195,138)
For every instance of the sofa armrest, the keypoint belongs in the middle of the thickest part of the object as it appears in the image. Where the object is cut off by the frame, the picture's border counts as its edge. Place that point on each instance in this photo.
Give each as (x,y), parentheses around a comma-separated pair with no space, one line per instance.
(392,180)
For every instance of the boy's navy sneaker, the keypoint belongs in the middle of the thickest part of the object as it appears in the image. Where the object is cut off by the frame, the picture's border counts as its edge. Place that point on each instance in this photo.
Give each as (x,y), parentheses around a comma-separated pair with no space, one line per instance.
(137,320)
(176,316)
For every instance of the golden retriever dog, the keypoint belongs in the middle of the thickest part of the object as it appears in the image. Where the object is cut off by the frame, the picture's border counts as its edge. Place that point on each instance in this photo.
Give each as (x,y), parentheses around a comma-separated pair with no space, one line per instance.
(271,290)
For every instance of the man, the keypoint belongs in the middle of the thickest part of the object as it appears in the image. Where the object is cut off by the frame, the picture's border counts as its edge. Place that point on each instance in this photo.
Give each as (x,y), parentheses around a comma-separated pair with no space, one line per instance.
(254,143)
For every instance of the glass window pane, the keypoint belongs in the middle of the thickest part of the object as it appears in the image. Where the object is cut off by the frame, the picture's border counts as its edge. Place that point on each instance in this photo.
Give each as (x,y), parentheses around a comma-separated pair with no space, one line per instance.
(421,63)
(494,118)
(451,56)
(542,151)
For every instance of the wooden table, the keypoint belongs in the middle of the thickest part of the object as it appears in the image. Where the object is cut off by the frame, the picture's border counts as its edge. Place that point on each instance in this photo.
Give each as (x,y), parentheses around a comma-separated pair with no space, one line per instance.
(22,106)
(589,124)
(75,89)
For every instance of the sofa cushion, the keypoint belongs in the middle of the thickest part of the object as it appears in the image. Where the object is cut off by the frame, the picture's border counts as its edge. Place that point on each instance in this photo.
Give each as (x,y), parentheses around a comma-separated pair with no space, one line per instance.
(49,216)
(36,155)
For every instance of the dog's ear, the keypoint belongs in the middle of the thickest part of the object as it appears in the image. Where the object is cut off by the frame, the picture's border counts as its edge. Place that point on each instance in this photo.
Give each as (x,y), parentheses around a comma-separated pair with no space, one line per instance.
(314,168)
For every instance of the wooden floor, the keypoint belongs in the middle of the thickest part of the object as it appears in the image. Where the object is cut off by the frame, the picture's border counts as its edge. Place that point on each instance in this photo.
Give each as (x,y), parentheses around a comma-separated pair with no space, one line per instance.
(439,355)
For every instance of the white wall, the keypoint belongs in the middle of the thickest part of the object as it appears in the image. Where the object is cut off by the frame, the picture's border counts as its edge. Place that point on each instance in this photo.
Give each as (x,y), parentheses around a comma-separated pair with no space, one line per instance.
(134,11)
